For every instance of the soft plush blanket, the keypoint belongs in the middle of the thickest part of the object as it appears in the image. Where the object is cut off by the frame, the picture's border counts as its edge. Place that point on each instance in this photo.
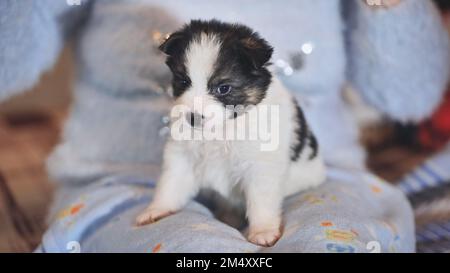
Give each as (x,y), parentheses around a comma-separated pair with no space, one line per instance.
(352,212)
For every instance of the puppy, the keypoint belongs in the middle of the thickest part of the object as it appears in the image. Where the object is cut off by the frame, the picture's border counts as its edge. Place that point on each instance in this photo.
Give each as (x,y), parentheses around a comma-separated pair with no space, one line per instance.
(225,67)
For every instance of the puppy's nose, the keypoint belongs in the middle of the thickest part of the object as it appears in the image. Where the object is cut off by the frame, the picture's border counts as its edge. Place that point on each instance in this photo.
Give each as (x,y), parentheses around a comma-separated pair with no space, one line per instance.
(195,119)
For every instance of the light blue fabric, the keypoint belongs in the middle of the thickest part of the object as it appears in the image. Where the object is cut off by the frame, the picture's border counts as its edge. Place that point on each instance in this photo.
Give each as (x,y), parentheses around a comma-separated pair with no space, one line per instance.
(31,40)
(116,125)
(101,218)
(390,68)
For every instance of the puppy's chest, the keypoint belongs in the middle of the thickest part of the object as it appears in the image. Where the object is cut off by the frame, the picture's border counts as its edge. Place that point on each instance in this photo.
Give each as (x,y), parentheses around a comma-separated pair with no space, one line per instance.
(217,164)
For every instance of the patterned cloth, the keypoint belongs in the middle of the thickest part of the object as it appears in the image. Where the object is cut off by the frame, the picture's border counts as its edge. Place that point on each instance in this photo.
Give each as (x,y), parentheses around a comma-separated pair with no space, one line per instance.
(428,188)
(100,218)
(433,173)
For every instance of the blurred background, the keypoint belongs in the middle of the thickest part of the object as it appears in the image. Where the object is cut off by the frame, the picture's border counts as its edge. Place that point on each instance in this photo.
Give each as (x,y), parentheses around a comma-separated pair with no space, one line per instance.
(30,125)
(29,128)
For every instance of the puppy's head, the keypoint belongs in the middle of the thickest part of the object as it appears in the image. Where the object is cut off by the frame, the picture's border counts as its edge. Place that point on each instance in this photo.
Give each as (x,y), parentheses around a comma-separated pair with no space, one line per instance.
(220,65)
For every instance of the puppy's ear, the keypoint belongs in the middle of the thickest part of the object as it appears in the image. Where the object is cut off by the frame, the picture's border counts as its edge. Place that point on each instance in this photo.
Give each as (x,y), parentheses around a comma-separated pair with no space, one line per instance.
(256,51)
(172,44)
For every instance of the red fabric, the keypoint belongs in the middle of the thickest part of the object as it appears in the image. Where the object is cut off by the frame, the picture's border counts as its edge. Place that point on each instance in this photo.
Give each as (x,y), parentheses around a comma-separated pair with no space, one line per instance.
(435,132)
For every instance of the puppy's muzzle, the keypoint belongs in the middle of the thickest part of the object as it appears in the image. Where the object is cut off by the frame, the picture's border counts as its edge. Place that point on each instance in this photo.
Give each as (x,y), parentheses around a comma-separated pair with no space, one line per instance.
(196,120)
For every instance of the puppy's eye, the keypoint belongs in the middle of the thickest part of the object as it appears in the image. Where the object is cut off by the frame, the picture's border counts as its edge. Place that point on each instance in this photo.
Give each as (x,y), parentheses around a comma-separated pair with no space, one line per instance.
(223,89)
(183,83)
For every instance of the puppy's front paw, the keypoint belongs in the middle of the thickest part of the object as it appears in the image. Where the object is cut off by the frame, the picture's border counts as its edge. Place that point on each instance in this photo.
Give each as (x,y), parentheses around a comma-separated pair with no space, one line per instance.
(265,238)
(151,215)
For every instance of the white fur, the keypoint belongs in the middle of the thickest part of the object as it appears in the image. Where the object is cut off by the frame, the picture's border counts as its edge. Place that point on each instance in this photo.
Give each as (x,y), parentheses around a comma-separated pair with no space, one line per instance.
(235,169)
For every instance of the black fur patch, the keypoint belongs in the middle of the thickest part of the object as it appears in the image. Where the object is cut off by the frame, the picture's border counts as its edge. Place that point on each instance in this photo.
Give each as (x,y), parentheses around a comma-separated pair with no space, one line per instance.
(304,136)
(241,62)
(314,145)
(174,47)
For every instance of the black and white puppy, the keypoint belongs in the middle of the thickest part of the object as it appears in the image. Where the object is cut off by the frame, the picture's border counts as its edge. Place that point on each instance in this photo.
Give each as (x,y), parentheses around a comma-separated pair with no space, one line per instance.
(225,66)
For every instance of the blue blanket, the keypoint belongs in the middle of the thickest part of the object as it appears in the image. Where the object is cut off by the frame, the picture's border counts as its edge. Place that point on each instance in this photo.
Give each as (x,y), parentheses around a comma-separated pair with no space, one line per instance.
(101,218)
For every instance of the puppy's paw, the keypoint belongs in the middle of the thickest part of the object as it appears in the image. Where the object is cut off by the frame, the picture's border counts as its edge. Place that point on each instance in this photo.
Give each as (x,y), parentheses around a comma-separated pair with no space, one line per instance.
(265,238)
(151,215)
